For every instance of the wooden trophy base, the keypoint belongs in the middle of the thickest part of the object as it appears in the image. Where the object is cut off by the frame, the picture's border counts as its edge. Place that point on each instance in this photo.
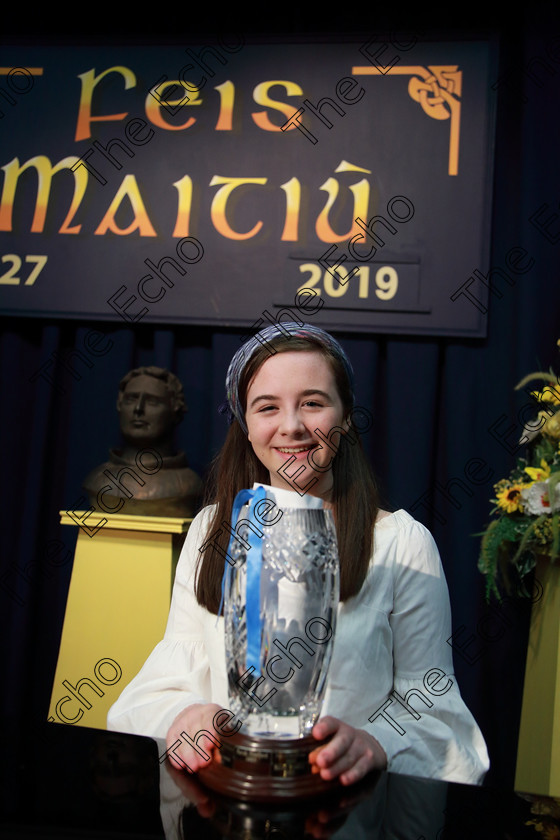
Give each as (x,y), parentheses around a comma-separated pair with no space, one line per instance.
(264,769)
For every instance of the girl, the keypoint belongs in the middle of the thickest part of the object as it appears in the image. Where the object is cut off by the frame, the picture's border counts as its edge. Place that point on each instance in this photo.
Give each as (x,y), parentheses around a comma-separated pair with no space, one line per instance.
(391,700)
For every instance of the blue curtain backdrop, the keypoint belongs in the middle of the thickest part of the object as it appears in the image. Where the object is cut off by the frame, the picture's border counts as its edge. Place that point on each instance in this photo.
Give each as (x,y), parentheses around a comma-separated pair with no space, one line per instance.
(435,402)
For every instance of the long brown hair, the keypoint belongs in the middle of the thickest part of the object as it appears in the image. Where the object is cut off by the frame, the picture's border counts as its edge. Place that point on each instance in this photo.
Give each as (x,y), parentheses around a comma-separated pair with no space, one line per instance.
(354,496)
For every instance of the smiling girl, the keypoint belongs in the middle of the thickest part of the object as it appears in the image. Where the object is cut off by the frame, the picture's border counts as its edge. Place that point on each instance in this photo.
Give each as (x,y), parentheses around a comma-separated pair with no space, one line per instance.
(391,699)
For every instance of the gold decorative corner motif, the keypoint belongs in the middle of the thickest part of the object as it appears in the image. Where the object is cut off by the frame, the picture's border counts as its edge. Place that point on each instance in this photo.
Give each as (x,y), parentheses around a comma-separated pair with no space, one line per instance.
(437,88)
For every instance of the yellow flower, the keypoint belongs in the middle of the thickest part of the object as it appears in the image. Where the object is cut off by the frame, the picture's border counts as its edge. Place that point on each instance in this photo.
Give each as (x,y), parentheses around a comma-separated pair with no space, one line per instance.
(509,498)
(552,426)
(543,531)
(549,394)
(539,473)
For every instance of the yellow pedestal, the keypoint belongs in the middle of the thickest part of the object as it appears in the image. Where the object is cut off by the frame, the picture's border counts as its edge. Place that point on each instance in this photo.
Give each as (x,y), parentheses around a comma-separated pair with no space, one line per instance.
(117,609)
(538,754)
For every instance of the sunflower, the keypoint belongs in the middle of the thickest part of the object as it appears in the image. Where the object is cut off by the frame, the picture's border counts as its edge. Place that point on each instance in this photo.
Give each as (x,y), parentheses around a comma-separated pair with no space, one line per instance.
(509,498)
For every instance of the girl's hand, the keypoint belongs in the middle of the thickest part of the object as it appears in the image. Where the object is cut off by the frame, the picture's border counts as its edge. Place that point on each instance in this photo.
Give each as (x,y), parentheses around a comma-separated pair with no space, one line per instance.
(350,754)
(190,721)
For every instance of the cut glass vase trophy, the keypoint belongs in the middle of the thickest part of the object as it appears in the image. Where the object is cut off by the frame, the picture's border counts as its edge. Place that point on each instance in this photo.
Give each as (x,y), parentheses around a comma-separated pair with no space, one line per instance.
(280,598)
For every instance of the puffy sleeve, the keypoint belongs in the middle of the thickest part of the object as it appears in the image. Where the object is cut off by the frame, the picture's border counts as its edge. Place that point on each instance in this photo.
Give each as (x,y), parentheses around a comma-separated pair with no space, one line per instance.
(423,724)
(177,672)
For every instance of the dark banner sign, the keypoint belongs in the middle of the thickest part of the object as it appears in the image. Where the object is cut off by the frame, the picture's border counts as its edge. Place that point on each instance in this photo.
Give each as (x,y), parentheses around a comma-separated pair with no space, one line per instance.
(227,183)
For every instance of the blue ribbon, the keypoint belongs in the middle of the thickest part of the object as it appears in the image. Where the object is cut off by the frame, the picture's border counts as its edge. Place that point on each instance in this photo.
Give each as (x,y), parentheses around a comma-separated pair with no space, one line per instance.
(253,580)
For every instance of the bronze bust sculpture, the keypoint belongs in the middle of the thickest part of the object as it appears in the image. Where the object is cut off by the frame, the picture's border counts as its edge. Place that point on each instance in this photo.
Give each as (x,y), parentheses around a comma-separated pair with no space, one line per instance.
(147,477)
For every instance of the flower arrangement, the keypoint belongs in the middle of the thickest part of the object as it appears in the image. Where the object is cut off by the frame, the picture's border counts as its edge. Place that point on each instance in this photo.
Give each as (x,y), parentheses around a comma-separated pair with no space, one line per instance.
(527,503)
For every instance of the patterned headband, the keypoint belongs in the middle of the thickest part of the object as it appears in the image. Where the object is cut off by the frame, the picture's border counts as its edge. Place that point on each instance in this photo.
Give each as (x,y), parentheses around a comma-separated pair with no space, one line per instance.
(245,353)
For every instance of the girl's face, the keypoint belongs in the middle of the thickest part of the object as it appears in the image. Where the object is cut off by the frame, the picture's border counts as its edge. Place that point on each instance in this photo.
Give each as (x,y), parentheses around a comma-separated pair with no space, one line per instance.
(293,409)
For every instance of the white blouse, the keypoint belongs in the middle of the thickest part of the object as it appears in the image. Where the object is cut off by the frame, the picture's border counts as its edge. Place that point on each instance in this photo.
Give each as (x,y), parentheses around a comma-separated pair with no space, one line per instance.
(391,671)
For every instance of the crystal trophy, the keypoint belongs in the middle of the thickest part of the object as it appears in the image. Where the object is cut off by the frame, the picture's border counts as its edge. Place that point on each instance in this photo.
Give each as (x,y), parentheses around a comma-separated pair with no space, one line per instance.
(280,599)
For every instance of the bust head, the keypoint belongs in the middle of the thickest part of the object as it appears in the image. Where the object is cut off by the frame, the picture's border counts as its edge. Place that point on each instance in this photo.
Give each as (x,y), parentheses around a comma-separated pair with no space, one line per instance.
(150,405)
